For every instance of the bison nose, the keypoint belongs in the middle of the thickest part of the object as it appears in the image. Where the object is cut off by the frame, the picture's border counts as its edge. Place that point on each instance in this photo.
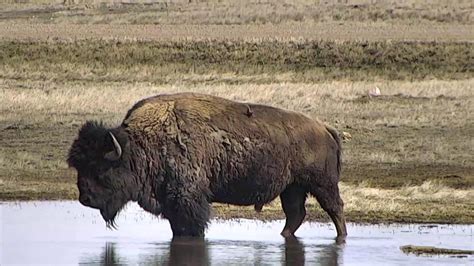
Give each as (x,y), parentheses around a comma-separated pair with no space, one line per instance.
(85,200)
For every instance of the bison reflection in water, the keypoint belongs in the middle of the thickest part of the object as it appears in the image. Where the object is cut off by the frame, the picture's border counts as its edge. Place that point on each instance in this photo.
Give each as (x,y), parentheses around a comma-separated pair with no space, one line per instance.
(176,154)
(196,251)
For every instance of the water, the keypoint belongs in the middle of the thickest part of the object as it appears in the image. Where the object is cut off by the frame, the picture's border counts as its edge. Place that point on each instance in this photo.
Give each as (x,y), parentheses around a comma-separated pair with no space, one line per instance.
(65,233)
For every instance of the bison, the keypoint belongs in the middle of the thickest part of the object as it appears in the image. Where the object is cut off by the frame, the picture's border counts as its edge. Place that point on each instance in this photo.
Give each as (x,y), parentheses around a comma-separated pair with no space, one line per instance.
(176,154)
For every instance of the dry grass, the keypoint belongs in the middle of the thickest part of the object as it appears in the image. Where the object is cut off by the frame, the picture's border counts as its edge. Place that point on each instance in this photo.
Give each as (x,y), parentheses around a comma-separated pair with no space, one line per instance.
(37,188)
(427,250)
(289,31)
(415,131)
(263,61)
(23,160)
(227,12)
(430,202)
(424,200)
(409,158)
(22,99)
(27,98)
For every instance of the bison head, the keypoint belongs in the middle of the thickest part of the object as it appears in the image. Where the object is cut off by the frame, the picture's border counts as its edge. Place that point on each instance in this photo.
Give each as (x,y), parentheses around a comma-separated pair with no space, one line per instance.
(101,157)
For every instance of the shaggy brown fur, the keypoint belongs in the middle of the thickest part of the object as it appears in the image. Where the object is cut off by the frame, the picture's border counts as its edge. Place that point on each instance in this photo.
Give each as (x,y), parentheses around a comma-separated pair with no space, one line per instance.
(183,151)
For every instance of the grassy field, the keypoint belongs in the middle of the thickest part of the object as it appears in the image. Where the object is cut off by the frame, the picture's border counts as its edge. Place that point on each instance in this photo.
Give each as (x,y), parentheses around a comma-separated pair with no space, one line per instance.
(291,31)
(407,153)
(298,61)
(239,12)
(415,138)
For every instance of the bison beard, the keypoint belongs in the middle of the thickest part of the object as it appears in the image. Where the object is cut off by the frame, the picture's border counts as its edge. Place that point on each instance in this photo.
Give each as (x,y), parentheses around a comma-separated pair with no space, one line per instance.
(109,212)
(176,154)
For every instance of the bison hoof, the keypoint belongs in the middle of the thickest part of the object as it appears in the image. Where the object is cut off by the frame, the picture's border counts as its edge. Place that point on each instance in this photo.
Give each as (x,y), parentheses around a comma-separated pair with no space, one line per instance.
(341,240)
(287,234)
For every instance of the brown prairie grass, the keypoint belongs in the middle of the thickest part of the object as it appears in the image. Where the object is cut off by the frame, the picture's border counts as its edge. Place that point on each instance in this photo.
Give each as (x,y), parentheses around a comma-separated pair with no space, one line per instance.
(26,98)
(408,159)
(430,202)
(266,60)
(290,31)
(414,132)
(227,12)
(429,250)
(409,155)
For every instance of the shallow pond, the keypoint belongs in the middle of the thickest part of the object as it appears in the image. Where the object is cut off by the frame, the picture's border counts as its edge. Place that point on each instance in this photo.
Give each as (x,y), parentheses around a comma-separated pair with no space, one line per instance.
(65,232)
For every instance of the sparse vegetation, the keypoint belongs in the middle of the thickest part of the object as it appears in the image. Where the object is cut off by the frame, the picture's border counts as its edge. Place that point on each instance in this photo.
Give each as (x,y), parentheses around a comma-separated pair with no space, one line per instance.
(330,31)
(300,61)
(408,204)
(409,155)
(240,12)
(413,150)
(426,250)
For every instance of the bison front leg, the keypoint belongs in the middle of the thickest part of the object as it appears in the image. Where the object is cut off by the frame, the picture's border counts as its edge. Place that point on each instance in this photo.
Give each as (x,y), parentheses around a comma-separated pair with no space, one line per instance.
(188,214)
(292,200)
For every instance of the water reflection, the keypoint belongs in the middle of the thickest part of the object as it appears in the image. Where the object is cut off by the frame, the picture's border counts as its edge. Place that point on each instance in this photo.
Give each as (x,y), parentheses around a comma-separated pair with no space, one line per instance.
(330,254)
(188,251)
(294,252)
(319,254)
(192,251)
(109,256)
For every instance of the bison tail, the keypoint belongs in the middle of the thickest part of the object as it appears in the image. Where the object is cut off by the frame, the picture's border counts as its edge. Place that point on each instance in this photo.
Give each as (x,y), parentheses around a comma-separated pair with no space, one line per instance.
(335,135)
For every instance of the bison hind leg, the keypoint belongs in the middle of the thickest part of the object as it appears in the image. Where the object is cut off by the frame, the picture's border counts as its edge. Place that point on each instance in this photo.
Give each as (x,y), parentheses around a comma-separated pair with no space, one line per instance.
(293,199)
(331,202)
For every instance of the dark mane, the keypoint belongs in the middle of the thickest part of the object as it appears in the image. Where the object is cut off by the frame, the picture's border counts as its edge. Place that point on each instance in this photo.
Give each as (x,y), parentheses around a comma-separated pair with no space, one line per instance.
(91,138)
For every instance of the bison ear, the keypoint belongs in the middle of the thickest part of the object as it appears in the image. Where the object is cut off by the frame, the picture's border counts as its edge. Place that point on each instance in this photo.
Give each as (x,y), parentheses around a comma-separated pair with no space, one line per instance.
(117,152)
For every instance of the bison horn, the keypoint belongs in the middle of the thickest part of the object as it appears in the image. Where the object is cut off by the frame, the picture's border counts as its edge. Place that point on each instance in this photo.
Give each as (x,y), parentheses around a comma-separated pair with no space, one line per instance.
(117,152)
